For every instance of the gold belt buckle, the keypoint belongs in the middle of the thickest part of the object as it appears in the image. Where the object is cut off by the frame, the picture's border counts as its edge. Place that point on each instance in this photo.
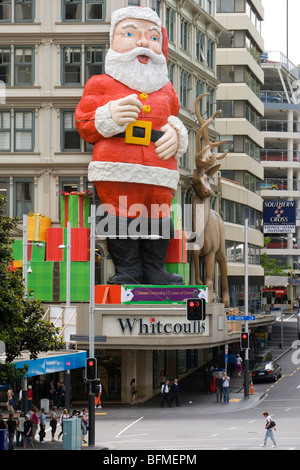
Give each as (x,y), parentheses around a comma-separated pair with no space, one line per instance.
(131,139)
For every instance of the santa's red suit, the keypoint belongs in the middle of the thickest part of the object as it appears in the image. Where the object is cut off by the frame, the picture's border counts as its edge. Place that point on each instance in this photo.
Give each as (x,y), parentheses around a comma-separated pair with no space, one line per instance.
(126,169)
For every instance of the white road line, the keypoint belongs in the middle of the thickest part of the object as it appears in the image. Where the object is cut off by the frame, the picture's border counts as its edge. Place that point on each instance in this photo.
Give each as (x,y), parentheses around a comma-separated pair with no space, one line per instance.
(129,426)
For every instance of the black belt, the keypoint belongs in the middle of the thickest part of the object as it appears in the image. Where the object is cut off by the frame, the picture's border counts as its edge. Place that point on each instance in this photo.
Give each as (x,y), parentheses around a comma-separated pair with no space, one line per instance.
(140,132)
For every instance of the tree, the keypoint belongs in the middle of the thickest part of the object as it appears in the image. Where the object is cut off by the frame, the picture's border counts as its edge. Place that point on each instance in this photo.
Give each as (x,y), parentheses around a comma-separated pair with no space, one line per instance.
(272,266)
(21,325)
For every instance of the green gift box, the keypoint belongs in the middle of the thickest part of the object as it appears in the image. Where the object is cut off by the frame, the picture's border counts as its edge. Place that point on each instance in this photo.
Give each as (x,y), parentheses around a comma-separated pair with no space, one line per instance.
(40,280)
(183,269)
(79,281)
(75,208)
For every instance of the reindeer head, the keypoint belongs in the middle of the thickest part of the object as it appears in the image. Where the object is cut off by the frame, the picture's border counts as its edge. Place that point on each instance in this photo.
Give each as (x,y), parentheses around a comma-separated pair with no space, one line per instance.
(205,159)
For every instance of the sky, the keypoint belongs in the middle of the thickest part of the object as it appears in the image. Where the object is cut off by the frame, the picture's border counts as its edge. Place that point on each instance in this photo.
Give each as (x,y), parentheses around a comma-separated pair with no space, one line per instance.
(274,27)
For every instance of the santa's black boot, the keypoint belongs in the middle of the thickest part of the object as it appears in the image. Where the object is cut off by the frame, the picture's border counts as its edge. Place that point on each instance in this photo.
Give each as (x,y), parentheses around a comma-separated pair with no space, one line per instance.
(126,256)
(154,254)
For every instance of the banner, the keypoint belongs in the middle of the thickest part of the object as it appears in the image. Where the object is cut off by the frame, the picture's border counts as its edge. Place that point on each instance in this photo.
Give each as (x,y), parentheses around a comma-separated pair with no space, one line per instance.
(279,216)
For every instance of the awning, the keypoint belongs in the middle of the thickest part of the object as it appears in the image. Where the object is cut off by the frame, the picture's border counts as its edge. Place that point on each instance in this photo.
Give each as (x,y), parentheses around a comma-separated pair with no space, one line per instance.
(53,362)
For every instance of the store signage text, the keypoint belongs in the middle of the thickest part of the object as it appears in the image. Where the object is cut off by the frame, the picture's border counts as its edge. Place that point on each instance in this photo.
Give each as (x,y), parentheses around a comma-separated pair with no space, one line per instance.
(156,327)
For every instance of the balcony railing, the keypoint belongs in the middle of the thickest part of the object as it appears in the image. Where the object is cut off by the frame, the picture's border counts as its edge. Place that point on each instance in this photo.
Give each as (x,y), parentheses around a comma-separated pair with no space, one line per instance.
(280,184)
(272,125)
(278,155)
(280,243)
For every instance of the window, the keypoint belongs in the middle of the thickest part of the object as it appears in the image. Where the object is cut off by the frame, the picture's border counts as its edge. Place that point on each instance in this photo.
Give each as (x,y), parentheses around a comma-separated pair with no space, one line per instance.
(5,10)
(171,68)
(170,23)
(133,2)
(23,197)
(225,6)
(23,66)
(184,87)
(5,65)
(5,132)
(72,10)
(24,10)
(184,37)
(70,136)
(4,191)
(71,62)
(200,45)
(24,130)
(94,61)
(94,10)
(210,53)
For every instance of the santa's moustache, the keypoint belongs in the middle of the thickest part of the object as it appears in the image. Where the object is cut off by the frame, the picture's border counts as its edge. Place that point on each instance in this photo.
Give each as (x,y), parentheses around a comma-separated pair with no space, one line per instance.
(126,68)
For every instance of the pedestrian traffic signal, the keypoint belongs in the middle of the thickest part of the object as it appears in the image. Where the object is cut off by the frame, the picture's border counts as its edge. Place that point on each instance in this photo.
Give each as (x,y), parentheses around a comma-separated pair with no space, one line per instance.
(245,340)
(195,309)
(91,369)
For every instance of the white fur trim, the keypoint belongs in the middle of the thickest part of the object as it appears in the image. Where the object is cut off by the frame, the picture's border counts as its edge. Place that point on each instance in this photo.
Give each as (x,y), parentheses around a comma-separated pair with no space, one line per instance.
(133,173)
(104,123)
(182,135)
(140,13)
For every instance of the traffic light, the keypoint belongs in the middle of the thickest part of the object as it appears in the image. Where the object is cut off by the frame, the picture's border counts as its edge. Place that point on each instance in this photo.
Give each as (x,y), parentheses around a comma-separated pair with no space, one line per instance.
(195,309)
(245,340)
(91,369)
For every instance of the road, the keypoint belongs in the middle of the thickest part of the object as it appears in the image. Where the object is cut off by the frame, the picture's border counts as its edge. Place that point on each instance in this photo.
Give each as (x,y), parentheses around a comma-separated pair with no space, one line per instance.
(215,426)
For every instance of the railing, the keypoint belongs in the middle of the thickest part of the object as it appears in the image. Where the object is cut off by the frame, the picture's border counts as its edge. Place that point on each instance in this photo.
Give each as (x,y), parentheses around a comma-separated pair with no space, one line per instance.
(280,184)
(280,58)
(275,125)
(278,155)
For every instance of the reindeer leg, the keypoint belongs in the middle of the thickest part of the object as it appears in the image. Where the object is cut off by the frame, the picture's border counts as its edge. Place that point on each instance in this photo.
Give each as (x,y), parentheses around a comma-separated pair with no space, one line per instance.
(196,267)
(221,259)
(209,273)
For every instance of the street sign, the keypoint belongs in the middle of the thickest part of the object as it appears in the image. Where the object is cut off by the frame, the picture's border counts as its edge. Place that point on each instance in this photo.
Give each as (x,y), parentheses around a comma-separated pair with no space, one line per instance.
(85,338)
(241,317)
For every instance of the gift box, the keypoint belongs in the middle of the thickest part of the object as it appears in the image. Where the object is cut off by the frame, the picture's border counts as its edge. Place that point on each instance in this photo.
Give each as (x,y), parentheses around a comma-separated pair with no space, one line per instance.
(75,208)
(37,227)
(80,244)
(79,281)
(40,280)
(177,248)
(35,252)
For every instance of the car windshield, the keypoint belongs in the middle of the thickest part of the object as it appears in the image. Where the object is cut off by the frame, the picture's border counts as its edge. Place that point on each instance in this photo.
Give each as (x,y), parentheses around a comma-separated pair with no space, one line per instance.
(264,366)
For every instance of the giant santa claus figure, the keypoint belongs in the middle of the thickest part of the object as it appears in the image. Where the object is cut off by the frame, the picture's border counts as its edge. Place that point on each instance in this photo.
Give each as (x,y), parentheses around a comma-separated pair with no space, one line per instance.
(130,115)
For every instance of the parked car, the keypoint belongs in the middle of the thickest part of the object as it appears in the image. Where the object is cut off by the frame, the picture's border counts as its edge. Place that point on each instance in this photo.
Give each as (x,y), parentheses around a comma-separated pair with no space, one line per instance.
(266,371)
(271,97)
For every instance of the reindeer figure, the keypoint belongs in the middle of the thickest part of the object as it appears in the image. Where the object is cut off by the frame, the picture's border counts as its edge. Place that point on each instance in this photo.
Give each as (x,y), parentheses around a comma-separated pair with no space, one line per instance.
(207,224)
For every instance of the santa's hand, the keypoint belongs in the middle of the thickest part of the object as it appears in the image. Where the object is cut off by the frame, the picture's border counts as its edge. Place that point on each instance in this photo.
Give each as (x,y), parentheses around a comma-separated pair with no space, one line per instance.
(125,110)
(167,145)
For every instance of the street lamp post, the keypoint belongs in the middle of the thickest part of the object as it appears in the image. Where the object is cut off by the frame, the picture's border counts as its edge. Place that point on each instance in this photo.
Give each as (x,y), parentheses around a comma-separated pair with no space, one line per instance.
(91,401)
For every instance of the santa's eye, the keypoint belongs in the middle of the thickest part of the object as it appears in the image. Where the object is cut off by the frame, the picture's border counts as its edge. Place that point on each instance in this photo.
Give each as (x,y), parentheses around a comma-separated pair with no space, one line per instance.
(129,35)
(154,38)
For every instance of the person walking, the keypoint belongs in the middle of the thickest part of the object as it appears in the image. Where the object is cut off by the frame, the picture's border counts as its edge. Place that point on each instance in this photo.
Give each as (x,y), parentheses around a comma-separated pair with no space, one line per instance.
(269,426)
(29,397)
(42,432)
(225,389)
(219,385)
(63,416)
(165,390)
(175,392)
(34,421)
(11,428)
(20,429)
(133,392)
(84,424)
(10,400)
(28,436)
(238,362)
(98,393)
(53,423)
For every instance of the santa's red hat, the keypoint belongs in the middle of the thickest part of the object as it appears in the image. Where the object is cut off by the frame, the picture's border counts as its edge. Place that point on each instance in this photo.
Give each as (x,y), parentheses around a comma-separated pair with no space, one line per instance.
(141,13)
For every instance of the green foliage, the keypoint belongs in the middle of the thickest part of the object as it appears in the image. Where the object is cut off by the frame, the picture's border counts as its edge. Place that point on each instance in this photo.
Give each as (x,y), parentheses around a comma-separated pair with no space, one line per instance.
(272,266)
(21,319)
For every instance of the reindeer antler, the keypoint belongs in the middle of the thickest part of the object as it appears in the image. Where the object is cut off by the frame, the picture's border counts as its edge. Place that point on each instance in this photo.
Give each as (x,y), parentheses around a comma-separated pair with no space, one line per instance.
(209,157)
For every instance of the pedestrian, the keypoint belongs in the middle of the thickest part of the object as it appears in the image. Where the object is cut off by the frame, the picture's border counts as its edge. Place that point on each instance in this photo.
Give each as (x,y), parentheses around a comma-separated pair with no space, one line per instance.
(10,400)
(11,427)
(98,393)
(269,332)
(225,389)
(207,380)
(63,416)
(162,378)
(219,385)
(42,420)
(51,393)
(84,424)
(27,437)
(165,390)
(29,397)
(62,395)
(20,429)
(133,392)
(34,421)
(238,362)
(36,393)
(270,425)
(53,422)
(174,392)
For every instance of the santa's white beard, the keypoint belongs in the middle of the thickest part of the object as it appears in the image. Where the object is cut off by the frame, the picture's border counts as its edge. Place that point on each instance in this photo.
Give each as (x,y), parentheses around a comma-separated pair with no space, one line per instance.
(126,68)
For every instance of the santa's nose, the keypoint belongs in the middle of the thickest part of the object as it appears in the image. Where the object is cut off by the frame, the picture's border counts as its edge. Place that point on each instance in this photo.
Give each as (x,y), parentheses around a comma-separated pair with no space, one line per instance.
(143,42)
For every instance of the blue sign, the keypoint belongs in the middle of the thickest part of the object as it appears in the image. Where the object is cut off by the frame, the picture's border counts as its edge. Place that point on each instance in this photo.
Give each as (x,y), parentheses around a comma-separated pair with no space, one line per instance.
(279,216)
(56,363)
(241,317)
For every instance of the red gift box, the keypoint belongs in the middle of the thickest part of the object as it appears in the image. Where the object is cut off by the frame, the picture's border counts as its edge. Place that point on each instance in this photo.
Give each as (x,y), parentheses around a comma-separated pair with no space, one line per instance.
(177,249)
(80,244)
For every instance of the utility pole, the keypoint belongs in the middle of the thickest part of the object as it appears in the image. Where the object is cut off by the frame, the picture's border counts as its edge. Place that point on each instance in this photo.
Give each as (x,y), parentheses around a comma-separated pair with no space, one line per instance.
(91,401)
(246,359)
